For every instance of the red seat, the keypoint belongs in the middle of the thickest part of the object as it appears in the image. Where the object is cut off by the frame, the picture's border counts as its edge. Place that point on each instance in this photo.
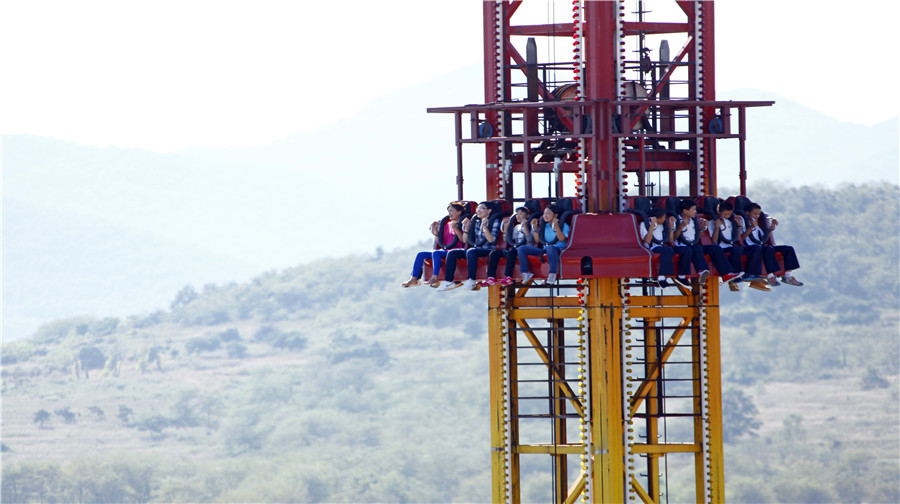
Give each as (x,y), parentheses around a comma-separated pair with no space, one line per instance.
(605,245)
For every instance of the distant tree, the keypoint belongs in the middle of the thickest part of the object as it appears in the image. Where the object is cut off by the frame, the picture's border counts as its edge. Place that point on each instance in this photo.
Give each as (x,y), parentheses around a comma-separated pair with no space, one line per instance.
(872,380)
(198,344)
(105,326)
(290,341)
(40,417)
(267,333)
(236,350)
(124,413)
(231,334)
(209,406)
(91,358)
(184,297)
(67,415)
(739,415)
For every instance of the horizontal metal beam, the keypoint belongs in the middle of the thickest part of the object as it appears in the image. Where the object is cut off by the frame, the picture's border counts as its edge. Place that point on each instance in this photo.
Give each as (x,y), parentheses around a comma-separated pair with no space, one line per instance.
(550,449)
(666,448)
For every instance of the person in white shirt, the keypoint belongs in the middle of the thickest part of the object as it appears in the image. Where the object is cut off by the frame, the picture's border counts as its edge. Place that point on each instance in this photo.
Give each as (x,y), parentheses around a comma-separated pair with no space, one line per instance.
(656,236)
(687,240)
(728,232)
(760,231)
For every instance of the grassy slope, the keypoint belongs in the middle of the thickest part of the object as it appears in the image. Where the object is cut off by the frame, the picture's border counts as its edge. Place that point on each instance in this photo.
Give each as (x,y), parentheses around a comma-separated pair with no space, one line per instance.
(390,394)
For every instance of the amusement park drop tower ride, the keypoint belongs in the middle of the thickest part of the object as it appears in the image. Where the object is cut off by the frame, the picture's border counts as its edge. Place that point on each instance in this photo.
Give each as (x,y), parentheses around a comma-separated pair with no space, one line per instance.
(622,396)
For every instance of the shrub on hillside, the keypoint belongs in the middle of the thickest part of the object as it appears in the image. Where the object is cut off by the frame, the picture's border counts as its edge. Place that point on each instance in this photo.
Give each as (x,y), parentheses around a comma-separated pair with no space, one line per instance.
(198,344)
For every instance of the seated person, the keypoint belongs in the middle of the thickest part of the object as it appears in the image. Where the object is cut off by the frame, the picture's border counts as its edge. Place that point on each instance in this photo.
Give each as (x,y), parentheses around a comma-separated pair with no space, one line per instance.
(687,240)
(482,240)
(550,237)
(759,237)
(727,232)
(448,235)
(519,236)
(656,235)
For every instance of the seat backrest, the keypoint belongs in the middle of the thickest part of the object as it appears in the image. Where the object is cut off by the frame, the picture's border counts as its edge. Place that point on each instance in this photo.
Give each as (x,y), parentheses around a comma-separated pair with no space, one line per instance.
(499,208)
(708,207)
(568,208)
(670,204)
(640,206)
(536,207)
(740,204)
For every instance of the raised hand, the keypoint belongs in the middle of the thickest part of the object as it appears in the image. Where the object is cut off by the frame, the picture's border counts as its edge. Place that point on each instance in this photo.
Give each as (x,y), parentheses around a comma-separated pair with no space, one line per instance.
(465,224)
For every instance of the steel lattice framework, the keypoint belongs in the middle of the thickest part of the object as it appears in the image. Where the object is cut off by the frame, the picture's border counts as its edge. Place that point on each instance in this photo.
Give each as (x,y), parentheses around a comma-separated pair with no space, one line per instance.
(603,381)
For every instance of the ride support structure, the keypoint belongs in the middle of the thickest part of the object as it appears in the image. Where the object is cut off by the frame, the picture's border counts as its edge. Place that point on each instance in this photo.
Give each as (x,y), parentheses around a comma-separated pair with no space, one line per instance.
(603,385)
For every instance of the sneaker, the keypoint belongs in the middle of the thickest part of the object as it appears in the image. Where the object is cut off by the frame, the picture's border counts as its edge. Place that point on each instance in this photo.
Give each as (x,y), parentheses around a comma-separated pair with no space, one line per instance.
(790,280)
(681,282)
(505,281)
(731,277)
(434,281)
(773,281)
(469,284)
(490,281)
(663,283)
(760,285)
(734,286)
(527,276)
(412,282)
(551,279)
(703,276)
(445,286)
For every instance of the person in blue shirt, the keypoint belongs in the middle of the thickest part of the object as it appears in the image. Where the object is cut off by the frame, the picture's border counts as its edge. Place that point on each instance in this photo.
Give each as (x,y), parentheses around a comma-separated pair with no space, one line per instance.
(481,241)
(550,237)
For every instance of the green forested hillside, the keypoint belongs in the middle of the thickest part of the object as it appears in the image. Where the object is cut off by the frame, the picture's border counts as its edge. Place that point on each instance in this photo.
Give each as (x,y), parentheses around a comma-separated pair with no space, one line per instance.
(328,382)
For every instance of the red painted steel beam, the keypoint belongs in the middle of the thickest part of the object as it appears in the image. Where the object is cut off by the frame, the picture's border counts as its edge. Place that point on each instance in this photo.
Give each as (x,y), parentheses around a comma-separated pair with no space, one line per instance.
(601,19)
(567,30)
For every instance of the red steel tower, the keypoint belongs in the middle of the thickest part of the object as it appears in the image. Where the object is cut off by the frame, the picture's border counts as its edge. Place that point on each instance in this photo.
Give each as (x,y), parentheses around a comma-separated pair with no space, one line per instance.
(603,386)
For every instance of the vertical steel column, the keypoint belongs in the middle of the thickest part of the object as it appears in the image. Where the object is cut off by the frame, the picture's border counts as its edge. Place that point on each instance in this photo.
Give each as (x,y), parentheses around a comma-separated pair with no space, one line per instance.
(600,73)
(494,44)
(604,309)
(714,375)
(708,93)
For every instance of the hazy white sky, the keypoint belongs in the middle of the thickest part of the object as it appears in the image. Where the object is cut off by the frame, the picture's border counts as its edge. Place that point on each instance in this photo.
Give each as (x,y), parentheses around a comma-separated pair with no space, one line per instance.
(168,75)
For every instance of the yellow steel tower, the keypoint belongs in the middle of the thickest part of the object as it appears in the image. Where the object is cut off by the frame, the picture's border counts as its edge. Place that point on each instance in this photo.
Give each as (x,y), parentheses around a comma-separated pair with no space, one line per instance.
(603,386)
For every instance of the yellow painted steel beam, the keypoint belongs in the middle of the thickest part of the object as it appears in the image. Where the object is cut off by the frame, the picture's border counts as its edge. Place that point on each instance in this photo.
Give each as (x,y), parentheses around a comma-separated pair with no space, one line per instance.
(713,354)
(568,449)
(638,489)
(604,307)
(498,401)
(689,300)
(544,313)
(649,381)
(656,312)
(666,448)
(537,302)
(576,489)
(565,388)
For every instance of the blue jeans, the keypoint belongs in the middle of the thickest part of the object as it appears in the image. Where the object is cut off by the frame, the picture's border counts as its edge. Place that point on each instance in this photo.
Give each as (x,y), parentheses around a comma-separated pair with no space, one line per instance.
(435,255)
(471,256)
(552,252)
